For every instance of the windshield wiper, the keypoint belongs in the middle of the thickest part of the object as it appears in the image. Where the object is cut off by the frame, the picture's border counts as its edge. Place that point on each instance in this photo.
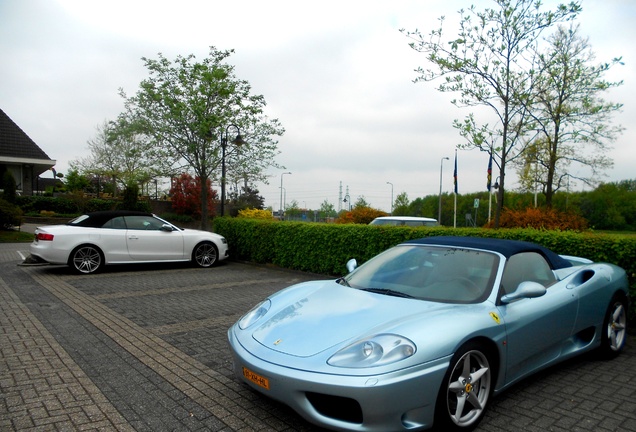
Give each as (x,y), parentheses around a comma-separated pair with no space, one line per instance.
(387,291)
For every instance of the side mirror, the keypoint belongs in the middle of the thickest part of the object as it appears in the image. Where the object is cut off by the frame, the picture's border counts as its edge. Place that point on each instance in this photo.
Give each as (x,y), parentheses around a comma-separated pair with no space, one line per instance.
(352,264)
(166,227)
(525,290)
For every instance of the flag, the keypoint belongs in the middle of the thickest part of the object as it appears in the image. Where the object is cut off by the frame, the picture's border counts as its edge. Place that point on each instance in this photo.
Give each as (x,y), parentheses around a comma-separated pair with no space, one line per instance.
(489,181)
(455,173)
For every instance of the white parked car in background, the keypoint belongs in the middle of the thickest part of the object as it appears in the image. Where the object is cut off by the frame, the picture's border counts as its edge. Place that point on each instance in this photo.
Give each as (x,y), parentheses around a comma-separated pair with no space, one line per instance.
(411,221)
(93,240)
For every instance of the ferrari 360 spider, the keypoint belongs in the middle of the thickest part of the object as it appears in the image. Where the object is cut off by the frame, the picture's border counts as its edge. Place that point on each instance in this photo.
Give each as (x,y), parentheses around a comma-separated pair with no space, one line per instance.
(427,331)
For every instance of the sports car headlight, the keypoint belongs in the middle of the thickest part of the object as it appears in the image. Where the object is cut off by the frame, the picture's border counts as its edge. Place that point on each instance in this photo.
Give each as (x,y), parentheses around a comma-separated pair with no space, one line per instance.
(255,314)
(376,351)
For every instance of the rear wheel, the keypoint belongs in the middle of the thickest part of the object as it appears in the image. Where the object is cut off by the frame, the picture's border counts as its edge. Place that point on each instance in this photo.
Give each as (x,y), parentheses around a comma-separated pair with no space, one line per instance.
(86,259)
(465,391)
(205,255)
(614,327)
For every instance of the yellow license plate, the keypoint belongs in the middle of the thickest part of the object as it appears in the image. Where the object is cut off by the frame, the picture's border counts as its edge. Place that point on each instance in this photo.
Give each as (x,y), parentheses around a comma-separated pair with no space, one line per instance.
(256,378)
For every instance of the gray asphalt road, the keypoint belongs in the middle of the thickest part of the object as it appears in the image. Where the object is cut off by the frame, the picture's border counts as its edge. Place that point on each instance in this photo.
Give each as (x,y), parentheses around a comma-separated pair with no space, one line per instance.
(144,348)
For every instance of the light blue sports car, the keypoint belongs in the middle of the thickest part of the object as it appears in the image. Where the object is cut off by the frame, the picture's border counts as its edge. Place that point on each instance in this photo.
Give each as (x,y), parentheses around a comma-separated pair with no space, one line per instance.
(427,331)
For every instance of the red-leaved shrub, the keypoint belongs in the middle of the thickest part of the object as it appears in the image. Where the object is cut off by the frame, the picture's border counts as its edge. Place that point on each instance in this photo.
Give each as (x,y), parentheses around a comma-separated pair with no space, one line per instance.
(186,195)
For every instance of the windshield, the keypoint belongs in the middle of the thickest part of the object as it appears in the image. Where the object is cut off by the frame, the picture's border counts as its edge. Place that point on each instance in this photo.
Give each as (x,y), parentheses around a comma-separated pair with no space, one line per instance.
(413,222)
(78,220)
(168,223)
(442,274)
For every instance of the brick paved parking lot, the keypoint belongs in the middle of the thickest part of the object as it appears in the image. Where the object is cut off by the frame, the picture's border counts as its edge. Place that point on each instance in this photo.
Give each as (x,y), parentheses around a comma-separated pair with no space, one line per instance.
(144,348)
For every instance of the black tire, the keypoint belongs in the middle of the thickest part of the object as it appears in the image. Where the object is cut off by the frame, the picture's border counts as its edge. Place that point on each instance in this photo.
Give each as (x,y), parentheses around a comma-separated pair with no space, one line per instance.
(86,259)
(205,255)
(465,390)
(614,330)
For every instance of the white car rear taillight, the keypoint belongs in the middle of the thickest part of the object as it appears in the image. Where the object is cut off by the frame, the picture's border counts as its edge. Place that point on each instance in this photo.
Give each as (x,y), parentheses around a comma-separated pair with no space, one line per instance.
(44,237)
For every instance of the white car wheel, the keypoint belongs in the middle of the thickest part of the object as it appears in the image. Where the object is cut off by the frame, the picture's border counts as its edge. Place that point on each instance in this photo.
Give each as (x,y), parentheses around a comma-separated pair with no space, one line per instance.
(86,259)
(205,255)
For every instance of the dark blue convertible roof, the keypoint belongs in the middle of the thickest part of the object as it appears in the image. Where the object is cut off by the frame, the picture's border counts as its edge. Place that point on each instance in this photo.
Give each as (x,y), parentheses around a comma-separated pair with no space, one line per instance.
(505,247)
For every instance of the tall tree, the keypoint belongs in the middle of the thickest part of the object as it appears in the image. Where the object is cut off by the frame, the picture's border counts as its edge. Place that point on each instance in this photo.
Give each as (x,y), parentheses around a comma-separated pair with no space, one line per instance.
(74,181)
(327,209)
(120,154)
(249,164)
(486,64)
(249,198)
(361,202)
(401,205)
(572,119)
(188,109)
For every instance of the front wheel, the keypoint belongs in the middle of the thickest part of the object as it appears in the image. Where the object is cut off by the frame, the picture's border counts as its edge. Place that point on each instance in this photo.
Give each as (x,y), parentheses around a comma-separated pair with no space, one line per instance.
(614,328)
(465,391)
(205,255)
(86,259)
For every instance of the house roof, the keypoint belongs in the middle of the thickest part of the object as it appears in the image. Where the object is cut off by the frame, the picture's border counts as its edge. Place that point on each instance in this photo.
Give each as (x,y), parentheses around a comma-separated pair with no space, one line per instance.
(14,142)
(17,147)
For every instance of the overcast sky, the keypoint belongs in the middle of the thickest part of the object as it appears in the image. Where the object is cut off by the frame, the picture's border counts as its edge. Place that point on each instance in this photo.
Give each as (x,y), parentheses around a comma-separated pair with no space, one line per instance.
(337,74)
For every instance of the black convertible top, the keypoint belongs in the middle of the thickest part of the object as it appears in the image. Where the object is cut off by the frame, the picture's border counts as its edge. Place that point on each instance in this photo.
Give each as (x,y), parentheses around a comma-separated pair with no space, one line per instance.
(98,219)
(505,247)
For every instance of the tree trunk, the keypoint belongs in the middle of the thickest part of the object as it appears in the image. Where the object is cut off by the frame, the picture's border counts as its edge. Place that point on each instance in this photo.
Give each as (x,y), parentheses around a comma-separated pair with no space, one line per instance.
(500,199)
(204,201)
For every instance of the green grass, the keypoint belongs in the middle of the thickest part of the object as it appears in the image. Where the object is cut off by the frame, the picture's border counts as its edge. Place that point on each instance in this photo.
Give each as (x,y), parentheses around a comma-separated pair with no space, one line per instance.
(14,236)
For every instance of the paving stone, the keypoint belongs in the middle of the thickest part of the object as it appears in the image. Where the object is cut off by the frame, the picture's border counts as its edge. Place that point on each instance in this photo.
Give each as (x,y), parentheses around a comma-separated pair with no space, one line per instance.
(145,348)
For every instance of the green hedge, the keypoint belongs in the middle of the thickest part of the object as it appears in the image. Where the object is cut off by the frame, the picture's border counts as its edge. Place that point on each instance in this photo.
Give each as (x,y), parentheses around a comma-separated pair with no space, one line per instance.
(325,248)
(10,215)
(67,204)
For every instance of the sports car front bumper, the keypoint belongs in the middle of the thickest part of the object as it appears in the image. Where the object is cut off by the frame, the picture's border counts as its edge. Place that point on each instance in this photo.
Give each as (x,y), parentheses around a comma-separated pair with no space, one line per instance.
(400,400)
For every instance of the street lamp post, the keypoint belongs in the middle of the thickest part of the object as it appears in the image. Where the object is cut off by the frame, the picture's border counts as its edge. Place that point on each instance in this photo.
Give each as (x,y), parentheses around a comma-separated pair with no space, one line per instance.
(280,213)
(238,141)
(495,187)
(439,210)
(389,183)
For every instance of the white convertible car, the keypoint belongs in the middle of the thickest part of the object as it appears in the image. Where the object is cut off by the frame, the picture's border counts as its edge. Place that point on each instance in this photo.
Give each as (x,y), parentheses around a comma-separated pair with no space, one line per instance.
(93,240)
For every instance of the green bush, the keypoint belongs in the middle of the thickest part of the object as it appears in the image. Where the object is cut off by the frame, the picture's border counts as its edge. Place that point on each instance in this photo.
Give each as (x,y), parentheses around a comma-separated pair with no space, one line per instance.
(68,204)
(8,187)
(10,215)
(325,248)
(96,204)
(178,218)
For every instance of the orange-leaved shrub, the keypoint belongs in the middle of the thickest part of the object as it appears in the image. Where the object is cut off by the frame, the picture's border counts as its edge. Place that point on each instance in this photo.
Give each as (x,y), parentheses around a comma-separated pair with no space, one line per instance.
(540,218)
(360,215)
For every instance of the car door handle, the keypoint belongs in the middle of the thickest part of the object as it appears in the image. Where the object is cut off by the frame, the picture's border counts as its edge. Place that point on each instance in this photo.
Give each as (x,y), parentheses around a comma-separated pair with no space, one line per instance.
(133,238)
